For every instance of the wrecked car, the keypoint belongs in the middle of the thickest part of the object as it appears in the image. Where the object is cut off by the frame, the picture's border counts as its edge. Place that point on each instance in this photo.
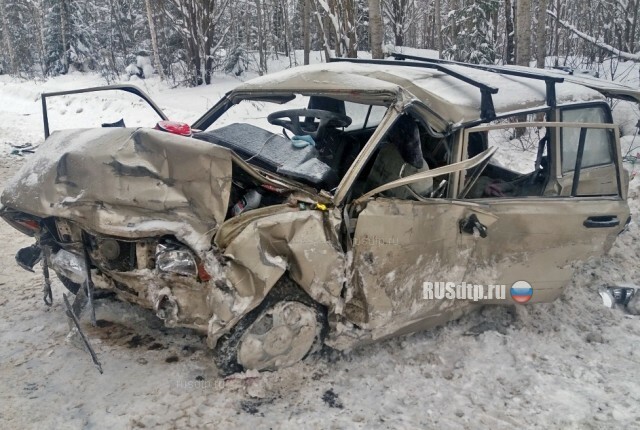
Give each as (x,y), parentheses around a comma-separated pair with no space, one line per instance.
(319,223)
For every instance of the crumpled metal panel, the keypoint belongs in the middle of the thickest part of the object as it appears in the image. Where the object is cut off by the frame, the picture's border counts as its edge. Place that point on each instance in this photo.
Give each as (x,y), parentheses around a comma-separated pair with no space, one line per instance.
(128,183)
(260,246)
(397,246)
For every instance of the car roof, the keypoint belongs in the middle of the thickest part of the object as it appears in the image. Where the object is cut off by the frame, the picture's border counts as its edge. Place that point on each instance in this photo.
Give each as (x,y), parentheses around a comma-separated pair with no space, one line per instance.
(452,99)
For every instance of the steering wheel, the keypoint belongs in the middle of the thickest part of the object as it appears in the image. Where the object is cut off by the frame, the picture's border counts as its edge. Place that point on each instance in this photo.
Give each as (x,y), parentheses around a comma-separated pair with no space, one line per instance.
(293,123)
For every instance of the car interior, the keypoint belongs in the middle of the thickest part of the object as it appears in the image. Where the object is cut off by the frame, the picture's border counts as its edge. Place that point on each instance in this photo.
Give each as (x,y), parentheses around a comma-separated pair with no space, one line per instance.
(313,147)
(319,144)
(496,180)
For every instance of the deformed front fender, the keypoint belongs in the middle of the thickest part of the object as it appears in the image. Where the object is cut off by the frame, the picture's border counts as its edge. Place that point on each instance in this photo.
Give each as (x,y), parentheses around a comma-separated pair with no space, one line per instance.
(260,246)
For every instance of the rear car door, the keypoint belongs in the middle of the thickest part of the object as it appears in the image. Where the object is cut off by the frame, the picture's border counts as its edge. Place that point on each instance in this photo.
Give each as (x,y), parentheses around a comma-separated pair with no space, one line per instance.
(540,233)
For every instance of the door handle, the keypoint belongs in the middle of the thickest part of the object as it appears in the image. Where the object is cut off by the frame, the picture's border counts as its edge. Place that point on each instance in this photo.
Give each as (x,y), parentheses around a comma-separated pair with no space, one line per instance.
(468,225)
(606,221)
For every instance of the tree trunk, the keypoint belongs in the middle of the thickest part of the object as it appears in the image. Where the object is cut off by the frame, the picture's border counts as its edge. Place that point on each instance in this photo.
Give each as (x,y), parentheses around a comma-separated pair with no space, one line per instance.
(541,34)
(261,53)
(634,25)
(306,34)
(375,29)
(64,24)
(510,53)
(6,35)
(438,25)
(556,26)
(398,21)
(323,31)
(154,41)
(290,48)
(350,28)
(523,33)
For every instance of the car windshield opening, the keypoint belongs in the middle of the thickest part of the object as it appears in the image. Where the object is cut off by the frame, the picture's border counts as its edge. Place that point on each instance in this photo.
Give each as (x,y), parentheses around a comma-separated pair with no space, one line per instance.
(312,139)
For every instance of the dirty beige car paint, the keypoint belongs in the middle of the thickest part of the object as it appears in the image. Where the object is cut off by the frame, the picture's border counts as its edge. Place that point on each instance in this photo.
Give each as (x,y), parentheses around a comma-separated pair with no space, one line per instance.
(141,184)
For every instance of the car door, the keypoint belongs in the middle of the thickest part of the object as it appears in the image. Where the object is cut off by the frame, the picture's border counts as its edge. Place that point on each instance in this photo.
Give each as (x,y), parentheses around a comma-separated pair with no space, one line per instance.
(540,238)
(398,245)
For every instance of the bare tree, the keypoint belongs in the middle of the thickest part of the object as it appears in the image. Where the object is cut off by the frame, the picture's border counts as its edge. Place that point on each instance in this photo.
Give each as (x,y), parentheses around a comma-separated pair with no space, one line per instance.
(6,36)
(523,32)
(197,23)
(154,40)
(341,16)
(541,34)
(438,26)
(584,36)
(510,45)
(306,15)
(64,26)
(261,48)
(376,31)
(400,14)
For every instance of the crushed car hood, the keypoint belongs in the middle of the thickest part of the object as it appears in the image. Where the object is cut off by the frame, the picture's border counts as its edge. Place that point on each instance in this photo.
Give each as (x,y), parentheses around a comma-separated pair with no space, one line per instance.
(130,183)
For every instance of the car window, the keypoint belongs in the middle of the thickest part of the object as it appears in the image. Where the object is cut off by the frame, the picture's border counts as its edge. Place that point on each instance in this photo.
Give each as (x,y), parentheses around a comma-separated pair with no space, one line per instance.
(520,166)
(363,116)
(598,148)
(403,151)
(524,161)
(305,147)
(255,113)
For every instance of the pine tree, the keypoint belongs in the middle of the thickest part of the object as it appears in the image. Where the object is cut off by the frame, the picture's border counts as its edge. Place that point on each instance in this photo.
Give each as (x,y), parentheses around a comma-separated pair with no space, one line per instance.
(473,41)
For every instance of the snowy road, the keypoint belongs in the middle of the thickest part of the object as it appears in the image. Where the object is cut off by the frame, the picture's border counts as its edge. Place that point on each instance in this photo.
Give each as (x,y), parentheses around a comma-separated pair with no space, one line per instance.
(572,364)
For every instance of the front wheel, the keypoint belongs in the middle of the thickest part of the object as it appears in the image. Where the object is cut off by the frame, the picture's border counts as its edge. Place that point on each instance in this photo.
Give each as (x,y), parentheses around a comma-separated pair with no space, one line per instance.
(633,307)
(287,327)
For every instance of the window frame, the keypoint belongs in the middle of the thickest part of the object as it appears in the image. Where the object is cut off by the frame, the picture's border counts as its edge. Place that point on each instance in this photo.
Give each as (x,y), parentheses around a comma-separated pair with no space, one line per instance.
(612,138)
(557,127)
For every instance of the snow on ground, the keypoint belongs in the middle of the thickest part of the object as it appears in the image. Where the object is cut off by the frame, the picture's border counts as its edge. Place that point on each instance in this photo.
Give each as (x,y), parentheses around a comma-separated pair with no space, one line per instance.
(571,364)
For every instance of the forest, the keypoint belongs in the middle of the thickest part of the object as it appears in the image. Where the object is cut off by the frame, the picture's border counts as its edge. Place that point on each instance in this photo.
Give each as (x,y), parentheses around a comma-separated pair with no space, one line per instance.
(186,41)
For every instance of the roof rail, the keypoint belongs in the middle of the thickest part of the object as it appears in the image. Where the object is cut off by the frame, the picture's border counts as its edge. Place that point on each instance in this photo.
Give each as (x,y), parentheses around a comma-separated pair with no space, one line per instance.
(487,110)
(550,81)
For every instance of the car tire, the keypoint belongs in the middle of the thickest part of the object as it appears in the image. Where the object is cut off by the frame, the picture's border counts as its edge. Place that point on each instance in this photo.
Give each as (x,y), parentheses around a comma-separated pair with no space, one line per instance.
(265,340)
(633,307)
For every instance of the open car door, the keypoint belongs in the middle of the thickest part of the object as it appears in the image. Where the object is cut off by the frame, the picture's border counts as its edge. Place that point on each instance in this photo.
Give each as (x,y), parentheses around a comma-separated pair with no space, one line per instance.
(131,89)
(538,239)
(398,245)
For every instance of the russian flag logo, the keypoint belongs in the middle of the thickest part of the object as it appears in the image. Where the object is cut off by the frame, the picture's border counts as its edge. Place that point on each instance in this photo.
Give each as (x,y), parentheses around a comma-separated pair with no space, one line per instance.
(521,292)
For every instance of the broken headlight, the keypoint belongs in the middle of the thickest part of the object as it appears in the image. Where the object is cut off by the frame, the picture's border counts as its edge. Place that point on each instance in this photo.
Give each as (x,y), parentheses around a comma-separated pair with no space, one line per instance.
(175,258)
(69,265)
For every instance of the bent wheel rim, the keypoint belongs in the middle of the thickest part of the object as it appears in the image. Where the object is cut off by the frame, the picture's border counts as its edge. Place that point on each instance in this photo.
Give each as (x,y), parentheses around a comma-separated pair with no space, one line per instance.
(279,338)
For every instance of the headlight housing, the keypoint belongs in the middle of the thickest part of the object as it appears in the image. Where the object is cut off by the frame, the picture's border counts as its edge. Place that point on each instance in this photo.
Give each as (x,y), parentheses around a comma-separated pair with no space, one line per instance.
(177,259)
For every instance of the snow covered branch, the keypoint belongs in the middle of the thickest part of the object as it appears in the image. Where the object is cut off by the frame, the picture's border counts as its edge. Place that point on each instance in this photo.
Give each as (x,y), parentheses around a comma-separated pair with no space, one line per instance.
(621,54)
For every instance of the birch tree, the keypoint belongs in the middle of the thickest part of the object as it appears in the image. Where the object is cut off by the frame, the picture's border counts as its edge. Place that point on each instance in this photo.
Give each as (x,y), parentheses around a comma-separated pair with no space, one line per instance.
(6,37)
(523,32)
(376,31)
(541,34)
(154,40)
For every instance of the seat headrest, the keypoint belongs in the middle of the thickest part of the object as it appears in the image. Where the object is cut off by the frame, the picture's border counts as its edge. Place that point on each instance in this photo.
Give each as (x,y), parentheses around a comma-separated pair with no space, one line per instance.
(405,135)
(327,103)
